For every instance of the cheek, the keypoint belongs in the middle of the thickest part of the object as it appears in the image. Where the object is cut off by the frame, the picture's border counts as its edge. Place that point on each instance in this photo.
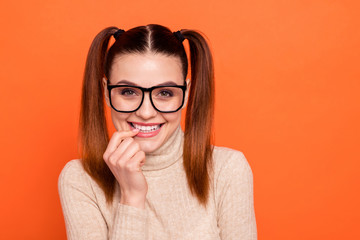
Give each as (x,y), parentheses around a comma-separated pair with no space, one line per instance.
(173,118)
(120,120)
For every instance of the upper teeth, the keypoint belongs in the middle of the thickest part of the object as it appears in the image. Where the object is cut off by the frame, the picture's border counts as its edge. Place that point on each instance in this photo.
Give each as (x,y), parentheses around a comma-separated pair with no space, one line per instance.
(146,128)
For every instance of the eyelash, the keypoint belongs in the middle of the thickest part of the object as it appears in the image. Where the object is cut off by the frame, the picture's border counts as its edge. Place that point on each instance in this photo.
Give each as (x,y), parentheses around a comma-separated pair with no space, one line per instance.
(128,92)
(167,93)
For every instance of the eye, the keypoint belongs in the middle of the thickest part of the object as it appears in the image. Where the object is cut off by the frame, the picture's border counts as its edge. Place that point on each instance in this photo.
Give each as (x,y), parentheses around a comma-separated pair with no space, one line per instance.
(165,93)
(127,92)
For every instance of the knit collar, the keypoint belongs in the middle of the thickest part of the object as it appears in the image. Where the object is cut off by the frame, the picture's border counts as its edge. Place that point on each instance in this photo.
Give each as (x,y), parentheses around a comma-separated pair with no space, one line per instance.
(170,152)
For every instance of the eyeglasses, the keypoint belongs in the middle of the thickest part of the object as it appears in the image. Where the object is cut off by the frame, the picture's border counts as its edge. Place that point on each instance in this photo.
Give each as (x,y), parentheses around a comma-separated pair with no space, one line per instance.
(165,99)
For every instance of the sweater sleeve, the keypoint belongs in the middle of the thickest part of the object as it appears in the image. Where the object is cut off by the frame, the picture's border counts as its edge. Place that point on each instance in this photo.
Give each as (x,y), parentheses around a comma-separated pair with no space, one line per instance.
(236,215)
(82,213)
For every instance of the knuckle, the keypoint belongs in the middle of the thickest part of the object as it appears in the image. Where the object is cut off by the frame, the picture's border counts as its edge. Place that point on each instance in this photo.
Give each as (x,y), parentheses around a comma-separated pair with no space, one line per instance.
(120,164)
(112,159)
(141,154)
(116,134)
(128,166)
(125,141)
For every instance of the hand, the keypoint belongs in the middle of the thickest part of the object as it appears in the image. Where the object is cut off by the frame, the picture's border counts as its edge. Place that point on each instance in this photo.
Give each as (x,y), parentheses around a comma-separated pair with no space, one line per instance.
(125,159)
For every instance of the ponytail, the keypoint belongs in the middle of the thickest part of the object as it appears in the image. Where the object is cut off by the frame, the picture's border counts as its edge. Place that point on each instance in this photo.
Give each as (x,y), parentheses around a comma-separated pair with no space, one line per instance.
(199,117)
(94,136)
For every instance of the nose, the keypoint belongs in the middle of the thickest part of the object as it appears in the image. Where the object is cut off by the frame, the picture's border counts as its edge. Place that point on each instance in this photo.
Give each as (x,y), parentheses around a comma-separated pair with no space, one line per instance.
(146,110)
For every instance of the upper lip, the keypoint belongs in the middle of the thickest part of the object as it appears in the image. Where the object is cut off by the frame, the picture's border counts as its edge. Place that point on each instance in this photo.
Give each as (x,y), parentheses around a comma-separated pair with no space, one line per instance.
(145,124)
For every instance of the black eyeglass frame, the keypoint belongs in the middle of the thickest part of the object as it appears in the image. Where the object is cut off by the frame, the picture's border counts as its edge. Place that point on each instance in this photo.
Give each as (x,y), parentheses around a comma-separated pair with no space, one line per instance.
(143,90)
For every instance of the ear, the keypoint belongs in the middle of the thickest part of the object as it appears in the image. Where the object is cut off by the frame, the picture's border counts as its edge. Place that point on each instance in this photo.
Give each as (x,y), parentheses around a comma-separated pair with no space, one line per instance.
(188,84)
(106,92)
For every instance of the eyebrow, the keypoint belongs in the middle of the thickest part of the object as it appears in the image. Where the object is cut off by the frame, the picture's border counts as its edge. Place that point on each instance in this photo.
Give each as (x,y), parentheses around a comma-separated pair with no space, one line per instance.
(168,83)
(126,82)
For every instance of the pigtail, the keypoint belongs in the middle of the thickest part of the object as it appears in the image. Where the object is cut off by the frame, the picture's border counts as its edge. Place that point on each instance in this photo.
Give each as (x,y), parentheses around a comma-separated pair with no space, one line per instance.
(199,117)
(94,135)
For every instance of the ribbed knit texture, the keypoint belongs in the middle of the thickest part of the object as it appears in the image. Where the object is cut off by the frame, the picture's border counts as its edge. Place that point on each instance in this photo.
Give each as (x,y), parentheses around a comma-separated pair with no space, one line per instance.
(171,212)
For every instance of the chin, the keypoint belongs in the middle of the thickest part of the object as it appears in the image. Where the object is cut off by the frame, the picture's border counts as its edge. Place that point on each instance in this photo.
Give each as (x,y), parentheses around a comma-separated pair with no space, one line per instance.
(147,145)
(151,141)
(151,144)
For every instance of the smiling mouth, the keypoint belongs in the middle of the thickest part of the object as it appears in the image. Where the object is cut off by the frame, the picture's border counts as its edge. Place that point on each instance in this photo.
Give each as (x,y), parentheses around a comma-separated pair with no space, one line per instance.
(146,128)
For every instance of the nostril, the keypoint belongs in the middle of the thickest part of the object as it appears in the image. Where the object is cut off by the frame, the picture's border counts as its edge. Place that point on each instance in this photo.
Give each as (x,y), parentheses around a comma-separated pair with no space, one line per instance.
(146,111)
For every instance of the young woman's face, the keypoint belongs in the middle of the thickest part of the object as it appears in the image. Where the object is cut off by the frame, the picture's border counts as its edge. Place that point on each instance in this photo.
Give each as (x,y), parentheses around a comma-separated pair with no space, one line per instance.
(146,70)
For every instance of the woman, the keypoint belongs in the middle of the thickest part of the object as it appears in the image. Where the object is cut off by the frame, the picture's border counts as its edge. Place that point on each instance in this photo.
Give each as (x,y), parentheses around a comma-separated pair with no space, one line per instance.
(150,180)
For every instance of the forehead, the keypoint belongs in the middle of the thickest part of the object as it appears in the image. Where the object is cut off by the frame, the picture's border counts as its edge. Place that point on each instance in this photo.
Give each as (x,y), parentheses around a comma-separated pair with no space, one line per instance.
(146,70)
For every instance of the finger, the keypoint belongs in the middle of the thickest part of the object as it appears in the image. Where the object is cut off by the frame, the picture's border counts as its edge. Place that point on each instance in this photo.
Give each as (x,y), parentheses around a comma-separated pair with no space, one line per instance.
(138,160)
(125,151)
(116,139)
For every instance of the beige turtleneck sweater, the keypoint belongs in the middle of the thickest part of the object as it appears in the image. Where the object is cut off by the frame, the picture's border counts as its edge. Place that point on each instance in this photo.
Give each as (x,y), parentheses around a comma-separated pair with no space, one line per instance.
(171,212)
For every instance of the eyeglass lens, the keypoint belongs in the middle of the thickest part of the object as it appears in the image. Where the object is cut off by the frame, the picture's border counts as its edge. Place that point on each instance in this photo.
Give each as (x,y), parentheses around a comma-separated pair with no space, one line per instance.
(165,99)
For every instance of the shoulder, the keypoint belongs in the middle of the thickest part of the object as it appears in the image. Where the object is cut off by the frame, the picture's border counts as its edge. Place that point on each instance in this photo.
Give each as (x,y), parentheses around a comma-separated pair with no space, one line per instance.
(73,175)
(230,164)
(225,153)
(72,169)
(230,158)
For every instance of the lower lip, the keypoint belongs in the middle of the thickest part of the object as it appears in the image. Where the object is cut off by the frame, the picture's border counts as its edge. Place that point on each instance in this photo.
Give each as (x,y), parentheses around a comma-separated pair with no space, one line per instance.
(147,134)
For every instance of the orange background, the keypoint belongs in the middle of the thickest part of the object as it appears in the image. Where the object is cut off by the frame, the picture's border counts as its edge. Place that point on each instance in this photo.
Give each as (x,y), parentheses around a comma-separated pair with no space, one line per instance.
(287,92)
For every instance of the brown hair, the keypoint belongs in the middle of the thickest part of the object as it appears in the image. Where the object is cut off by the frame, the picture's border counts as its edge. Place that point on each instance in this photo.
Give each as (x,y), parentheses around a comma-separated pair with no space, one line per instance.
(197,152)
